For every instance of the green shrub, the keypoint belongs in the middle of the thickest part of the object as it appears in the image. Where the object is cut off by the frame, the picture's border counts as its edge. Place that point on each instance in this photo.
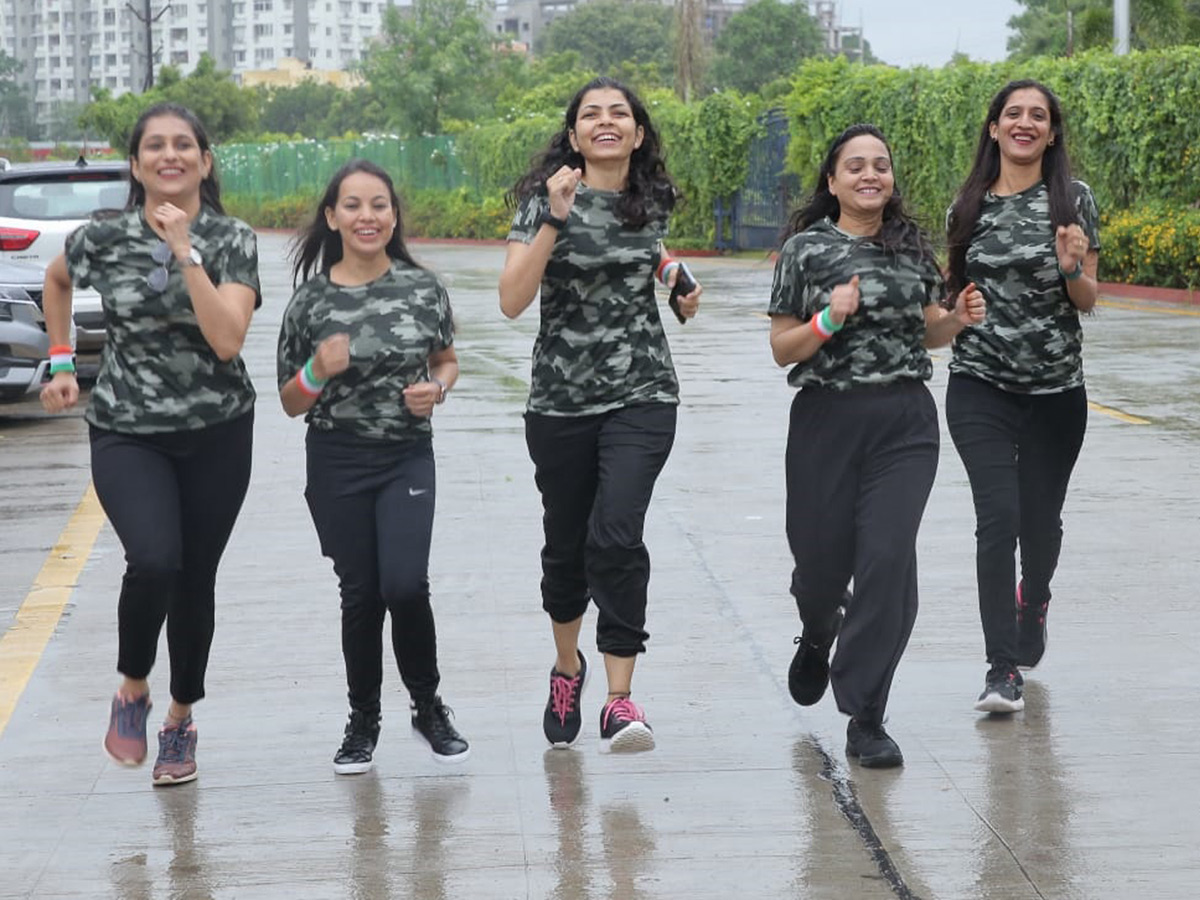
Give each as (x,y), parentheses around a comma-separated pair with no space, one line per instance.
(1156,245)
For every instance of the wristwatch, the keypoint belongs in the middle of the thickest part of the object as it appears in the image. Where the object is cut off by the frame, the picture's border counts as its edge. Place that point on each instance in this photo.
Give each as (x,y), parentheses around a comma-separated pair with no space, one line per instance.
(193,259)
(548,218)
(441,388)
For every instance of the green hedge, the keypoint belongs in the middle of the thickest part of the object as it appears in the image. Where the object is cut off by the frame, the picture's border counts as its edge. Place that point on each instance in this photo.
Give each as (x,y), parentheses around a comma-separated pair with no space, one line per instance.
(1131,124)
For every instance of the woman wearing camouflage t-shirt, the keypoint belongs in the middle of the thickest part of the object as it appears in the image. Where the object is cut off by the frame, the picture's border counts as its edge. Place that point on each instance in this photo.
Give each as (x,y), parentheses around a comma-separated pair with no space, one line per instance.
(171,414)
(366,351)
(600,420)
(855,303)
(1028,235)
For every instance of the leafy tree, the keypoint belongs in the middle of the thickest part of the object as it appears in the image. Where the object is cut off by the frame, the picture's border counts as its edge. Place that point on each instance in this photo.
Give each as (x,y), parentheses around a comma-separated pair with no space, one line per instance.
(16,111)
(226,110)
(766,40)
(1042,29)
(609,33)
(320,110)
(432,64)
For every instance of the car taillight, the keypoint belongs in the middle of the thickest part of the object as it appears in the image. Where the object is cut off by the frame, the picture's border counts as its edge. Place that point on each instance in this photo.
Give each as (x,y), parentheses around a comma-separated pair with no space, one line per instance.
(17,238)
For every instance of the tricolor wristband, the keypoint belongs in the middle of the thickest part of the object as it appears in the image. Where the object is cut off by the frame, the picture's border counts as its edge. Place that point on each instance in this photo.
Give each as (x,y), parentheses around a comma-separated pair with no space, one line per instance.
(823,324)
(664,270)
(309,384)
(62,359)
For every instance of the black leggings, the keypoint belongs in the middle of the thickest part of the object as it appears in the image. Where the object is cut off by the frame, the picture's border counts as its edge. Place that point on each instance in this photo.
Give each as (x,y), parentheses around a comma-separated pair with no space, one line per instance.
(173,499)
(372,503)
(1019,451)
(860,465)
(596,474)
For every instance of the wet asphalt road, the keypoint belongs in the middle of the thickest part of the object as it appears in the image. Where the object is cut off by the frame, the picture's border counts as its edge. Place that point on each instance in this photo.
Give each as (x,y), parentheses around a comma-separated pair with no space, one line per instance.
(1087,794)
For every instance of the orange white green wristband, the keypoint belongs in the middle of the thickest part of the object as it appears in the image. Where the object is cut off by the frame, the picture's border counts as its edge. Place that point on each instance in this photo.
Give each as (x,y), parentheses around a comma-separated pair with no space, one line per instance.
(822,323)
(310,385)
(663,273)
(62,359)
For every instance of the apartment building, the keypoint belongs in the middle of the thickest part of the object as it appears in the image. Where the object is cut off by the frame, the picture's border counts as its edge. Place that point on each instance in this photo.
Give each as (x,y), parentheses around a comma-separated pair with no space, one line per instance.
(69,47)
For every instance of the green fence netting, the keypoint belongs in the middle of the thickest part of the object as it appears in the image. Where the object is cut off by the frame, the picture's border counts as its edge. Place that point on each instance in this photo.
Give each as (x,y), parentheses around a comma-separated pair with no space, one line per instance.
(304,167)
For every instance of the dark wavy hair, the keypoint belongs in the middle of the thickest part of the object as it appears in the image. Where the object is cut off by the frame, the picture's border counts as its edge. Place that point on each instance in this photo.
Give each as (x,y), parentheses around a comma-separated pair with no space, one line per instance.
(1056,173)
(210,187)
(899,233)
(648,195)
(317,247)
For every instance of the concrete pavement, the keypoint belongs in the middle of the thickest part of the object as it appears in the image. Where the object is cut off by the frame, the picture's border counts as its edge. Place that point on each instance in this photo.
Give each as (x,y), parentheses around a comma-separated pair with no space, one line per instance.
(1087,794)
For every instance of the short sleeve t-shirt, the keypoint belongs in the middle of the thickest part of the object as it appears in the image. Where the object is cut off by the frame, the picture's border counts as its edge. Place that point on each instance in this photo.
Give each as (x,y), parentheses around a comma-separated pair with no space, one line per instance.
(394,322)
(1031,341)
(601,343)
(157,371)
(883,341)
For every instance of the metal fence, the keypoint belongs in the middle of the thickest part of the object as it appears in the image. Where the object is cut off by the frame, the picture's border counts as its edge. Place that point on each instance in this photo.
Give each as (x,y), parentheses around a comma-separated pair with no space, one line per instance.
(760,209)
(304,167)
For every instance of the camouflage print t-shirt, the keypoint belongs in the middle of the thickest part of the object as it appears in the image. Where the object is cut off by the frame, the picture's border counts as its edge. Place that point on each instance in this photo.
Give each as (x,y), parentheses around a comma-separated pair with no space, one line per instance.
(601,343)
(157,372)
(880,343)
(394,322)
(1031,341)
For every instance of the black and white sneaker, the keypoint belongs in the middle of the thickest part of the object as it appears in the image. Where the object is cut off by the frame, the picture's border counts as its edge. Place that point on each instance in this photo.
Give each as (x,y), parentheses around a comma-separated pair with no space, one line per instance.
(1002,691)
(431,719)
(623,727)
(358,746)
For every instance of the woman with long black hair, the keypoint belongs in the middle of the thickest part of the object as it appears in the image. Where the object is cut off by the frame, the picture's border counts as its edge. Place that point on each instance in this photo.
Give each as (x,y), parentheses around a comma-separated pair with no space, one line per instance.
(588,231)
(856,301)
(171,416)
(366,353)
(1028,234)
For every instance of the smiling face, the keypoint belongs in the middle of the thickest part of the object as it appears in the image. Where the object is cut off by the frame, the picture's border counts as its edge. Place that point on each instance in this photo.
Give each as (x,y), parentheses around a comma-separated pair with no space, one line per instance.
(862,181)
(169,162)
(364,216)
(1024,128)
(605,128)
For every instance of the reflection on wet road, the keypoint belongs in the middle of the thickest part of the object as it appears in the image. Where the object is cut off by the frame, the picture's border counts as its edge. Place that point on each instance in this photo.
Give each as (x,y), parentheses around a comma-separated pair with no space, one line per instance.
(1084,795)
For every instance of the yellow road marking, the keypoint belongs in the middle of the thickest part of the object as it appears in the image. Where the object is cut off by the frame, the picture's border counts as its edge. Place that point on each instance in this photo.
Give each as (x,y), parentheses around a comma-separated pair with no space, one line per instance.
(1117,414)
(22,645)
(1148,307)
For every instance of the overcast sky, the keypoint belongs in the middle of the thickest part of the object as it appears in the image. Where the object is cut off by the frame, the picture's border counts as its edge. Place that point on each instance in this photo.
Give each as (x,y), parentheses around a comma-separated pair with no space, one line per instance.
(927,32)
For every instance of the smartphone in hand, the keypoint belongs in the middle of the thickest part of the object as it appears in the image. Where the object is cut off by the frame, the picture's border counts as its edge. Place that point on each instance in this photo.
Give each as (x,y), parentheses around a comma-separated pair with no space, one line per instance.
(684,284)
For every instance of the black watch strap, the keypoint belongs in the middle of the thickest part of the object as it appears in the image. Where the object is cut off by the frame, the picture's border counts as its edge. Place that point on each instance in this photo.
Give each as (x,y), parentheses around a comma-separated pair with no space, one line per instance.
(548,218)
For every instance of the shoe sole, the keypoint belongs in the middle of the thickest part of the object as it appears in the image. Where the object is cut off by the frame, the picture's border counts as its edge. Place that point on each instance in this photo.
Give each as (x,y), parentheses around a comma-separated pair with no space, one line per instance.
(994,703)
(168,780)
(876,762)
(451,760)
(566,745)
(636,737)
(353,768)
(130,763)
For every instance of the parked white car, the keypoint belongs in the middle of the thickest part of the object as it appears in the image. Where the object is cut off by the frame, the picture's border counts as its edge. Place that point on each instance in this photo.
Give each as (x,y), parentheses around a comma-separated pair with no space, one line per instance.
(42,203)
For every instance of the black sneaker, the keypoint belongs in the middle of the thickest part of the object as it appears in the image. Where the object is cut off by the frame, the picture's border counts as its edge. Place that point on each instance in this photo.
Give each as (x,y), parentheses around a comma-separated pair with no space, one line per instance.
(431,719)
(358,746)
(562,719)
(1031,631)
(808,675)
(623,727)
(1002,692)
(872,746)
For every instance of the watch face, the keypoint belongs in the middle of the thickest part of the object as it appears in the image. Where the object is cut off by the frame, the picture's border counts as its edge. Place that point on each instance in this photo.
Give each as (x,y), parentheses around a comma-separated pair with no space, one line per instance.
(194,258)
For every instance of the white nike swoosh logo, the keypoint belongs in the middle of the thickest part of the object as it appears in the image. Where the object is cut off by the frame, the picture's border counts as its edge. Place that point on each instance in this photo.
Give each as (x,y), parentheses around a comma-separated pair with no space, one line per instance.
(416,492)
